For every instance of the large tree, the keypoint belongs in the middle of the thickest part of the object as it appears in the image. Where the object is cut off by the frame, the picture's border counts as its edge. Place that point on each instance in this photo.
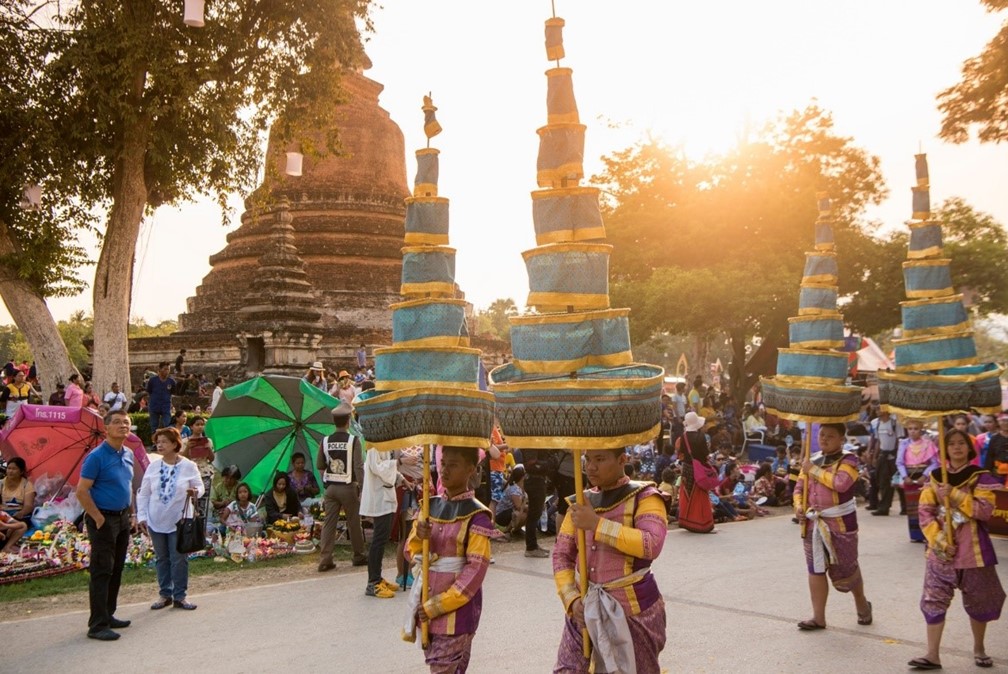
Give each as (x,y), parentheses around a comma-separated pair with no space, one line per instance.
(717,245)
(980,99)
(153,113)
(38,251)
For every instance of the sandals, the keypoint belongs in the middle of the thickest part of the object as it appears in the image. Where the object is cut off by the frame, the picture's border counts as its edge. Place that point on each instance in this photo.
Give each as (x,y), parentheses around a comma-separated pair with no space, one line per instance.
(983,661)
(924,663)
(865,619)
(810,625)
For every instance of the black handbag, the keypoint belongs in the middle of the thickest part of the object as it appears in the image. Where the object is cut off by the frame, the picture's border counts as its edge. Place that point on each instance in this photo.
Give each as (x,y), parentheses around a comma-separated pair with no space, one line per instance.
(190,532)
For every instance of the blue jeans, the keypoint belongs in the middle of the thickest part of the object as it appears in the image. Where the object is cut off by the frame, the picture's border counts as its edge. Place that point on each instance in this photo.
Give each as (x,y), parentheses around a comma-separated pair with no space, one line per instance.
(172,566)
(159,420)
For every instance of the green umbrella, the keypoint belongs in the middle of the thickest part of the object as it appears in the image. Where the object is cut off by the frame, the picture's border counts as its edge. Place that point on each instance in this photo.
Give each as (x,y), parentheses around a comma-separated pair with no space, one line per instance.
(259,424)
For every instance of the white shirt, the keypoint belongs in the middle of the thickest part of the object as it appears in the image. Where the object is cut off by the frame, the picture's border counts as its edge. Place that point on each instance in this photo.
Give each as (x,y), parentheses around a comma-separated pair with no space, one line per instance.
(115,401)
(161,518)
(215,398)
(381,473)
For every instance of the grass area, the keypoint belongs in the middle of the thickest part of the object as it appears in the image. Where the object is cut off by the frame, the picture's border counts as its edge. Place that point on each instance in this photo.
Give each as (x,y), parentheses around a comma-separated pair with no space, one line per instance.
(77,581)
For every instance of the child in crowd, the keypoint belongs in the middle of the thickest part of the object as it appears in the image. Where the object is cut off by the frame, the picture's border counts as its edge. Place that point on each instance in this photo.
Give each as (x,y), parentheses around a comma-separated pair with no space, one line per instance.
(964,561)
(459,531)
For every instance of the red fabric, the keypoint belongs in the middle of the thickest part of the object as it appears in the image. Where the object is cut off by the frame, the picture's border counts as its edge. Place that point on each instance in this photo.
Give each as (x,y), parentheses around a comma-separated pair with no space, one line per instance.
(695,512)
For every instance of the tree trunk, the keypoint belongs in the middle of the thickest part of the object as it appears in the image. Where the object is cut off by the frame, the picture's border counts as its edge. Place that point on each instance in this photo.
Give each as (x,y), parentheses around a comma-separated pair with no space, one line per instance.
(736,370)
(113,286)
(33,318)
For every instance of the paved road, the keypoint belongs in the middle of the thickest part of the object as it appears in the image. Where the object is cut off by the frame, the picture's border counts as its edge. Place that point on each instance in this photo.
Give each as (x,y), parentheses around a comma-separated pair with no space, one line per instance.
(733,599)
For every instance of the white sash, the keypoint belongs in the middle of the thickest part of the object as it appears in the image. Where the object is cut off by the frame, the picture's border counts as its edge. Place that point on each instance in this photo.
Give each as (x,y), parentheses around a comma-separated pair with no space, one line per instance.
(822,542)
(441,565)
(608,628)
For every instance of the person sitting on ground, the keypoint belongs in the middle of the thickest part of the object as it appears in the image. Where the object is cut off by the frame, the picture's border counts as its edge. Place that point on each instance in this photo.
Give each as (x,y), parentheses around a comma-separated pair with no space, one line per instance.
(667,485)
(17,494)
(302,481)
(768,486)
(179,422)
(726,491)
(11,531)
(223,492)
(241,511)
(281,502)
(512,509)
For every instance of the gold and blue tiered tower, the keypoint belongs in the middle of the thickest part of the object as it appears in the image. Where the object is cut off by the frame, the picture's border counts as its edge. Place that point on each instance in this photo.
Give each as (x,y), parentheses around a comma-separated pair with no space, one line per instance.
(427,383)
(572,383)
(810,384)
(936,369)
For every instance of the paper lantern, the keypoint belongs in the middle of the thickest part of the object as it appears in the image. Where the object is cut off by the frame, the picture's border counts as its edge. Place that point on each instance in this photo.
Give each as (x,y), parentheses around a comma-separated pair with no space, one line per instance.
(194,13)
(294,160)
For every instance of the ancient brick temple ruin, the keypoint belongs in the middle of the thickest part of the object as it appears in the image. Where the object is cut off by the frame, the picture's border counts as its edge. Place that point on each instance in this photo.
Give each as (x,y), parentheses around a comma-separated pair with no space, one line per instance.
(312,269)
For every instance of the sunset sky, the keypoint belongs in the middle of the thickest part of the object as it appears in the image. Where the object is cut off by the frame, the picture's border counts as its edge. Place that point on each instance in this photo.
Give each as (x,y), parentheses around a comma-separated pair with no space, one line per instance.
(693,72)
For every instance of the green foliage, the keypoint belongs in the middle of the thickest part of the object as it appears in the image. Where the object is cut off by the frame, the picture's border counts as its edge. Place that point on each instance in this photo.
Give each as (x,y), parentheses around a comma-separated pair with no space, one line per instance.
(703,246)
(142,422)
(138,327)
(980,99)
(75,332)
(494,320)
(13,344)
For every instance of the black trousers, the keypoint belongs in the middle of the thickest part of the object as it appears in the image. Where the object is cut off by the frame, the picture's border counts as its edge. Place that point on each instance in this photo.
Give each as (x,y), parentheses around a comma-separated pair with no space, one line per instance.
(535,487)
(108,557)
(379,537)
(885,468)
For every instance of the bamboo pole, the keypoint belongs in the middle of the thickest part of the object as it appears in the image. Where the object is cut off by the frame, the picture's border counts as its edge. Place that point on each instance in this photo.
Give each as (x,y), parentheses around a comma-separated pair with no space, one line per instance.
(806,456)
(425,551)
(943,458)
(582,547)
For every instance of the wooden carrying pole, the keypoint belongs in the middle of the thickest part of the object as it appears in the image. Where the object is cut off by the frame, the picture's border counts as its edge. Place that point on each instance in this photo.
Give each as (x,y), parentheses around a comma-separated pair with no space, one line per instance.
(943,458)
(425,551)
(582,547)
(806,456)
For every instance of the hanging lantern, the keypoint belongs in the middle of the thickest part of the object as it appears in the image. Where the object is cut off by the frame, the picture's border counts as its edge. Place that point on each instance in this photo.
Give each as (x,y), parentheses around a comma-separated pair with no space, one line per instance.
(194,13)
(31,198)
(294,160)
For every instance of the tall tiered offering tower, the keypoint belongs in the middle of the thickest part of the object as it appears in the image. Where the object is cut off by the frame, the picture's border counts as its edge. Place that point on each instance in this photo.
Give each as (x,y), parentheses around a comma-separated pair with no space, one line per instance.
(427,382)
(810,384)
(936,369)
(572,383)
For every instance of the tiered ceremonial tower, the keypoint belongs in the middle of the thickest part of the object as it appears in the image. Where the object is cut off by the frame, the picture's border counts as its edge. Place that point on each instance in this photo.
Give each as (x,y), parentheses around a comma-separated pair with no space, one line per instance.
(810,384)
(572,383)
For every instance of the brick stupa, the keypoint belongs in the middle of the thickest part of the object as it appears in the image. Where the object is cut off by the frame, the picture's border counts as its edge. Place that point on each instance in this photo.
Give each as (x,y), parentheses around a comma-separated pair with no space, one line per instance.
(339,229)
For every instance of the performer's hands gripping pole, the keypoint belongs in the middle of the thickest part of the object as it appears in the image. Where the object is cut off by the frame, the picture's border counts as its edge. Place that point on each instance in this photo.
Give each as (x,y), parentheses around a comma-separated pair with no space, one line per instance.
(582,547)
(425,551)
(806,456)
(943,457)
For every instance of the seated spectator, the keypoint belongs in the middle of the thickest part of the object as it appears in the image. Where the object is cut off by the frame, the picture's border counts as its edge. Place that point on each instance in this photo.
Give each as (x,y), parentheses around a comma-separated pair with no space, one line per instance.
(302,481)
(281,502)
(90,397)
(223,492)
(17,494)
(769,486)
(512,510)
(242,510)
(58,397)
(727,490)
(667,485)
(179,422)
(11,531)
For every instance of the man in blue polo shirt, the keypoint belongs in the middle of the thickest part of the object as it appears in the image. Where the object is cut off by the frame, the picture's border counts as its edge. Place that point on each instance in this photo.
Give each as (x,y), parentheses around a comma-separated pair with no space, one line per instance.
(160,390)
(105,493)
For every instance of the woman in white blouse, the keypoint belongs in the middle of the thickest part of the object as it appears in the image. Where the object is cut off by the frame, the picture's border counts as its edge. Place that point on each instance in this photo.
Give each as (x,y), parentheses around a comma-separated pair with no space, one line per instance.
(167,485)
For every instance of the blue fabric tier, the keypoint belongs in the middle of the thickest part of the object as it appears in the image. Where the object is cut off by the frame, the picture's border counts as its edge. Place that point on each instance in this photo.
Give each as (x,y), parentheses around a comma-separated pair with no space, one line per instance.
(567,342)
(424,416)
(817,299)
(925,240)
(821,365)
(394,366)
(569,269)
(924,315)
(567,214)
(433,264)
(824,235)
(816,331)
(561,105)
(426,180)
(427,220)
(561,154)
(934,353)
(921,202)
(927,278)
(426,319)
(820,268)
